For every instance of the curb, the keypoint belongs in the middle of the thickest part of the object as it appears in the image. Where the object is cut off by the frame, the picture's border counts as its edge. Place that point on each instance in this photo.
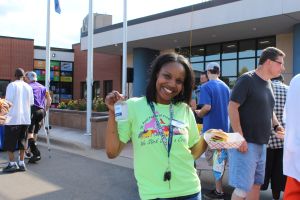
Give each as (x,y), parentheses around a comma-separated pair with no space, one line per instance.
(61,143)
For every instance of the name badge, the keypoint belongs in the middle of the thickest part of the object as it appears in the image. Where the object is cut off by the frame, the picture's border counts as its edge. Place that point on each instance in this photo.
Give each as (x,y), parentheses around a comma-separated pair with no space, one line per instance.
(177,123)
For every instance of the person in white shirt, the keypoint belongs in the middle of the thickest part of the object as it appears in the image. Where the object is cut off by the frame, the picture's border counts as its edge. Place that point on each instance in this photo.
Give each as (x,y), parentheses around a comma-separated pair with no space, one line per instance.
(291,162)
(17,121)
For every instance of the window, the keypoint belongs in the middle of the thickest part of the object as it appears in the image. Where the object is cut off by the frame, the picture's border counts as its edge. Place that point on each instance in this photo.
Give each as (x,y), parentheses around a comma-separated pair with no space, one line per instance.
(247,49)
(229,50)
(229,68)
(246,65)
(264,43)
(95,90)
(108,87)
(234,57)
(197,54)
(212,52)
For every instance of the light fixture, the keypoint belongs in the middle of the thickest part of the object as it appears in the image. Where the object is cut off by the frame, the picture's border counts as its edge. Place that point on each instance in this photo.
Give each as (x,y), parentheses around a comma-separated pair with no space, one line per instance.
(53,55)
(264,42)
(231,46)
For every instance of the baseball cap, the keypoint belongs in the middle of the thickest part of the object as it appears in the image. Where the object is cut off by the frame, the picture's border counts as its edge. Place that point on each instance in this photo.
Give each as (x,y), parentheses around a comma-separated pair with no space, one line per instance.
(213,66)
(31,76)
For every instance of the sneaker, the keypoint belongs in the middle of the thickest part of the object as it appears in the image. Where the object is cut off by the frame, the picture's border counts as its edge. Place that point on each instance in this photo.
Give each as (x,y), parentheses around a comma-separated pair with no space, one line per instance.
(10,168)
(34,158)
(22,168)
(214,195)
(27,155)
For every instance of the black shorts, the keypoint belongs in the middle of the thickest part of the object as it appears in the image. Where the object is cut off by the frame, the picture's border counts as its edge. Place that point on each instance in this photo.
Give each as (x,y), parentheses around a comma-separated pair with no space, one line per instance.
(37,116)
(14,135)
(274,170)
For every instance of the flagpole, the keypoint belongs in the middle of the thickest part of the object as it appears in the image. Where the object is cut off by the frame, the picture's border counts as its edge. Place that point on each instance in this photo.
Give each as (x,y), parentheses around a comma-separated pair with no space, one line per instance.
(89,78)
(124,66)
(47,77)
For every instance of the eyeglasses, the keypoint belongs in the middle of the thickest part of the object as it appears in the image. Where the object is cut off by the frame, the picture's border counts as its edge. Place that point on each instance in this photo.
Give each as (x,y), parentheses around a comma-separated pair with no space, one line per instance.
(278,62)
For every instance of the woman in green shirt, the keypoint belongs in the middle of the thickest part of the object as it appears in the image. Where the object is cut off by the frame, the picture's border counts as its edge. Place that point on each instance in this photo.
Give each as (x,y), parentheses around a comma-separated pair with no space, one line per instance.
(163,132)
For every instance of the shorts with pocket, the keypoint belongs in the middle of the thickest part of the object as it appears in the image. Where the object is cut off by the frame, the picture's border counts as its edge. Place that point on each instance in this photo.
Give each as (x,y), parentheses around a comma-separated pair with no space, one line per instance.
(246,169)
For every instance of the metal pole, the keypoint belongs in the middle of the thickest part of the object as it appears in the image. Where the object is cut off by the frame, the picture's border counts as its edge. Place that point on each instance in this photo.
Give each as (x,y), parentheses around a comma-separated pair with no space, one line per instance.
(47,78)
(124,66)
(89,78)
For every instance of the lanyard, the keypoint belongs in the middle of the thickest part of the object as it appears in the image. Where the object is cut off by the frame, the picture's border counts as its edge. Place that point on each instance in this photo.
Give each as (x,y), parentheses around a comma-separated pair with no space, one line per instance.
(167,144)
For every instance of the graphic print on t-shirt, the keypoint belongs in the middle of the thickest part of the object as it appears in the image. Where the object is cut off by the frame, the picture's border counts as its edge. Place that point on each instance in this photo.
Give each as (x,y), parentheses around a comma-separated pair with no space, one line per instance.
(150,133)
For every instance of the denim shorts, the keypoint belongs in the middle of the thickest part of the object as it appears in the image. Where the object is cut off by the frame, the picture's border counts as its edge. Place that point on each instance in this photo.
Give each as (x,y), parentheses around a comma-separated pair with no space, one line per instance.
(246,169)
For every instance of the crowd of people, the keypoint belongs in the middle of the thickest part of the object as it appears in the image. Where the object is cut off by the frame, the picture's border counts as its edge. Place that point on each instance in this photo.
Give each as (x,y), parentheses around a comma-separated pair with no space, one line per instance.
(165,137)
(22,113)
(166,141)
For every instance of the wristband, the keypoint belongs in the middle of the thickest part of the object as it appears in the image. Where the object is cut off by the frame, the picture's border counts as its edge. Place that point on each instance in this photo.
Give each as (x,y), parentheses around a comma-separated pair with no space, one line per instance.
(275,127)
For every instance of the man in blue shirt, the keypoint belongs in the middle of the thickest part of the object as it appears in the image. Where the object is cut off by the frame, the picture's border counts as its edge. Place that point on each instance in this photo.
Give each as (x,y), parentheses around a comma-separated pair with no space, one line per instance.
(214,97)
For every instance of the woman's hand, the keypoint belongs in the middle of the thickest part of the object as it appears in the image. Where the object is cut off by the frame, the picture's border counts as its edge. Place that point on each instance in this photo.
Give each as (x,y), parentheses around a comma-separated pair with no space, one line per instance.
(112,98)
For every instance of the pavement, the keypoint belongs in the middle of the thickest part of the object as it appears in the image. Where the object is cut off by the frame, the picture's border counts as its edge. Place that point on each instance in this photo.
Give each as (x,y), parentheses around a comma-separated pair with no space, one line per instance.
(76,141)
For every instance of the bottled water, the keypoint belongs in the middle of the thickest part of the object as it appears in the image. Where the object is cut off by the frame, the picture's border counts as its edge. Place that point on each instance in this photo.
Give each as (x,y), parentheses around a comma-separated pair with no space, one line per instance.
(121,111)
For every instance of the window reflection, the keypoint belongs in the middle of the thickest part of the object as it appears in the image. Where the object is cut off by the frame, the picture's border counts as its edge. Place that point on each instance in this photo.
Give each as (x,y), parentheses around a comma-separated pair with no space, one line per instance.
(236,57)
(246,65)
(197,54)
(229,68)
(198,66)
(264,43)
(247,48)
(229,50)
(213,52)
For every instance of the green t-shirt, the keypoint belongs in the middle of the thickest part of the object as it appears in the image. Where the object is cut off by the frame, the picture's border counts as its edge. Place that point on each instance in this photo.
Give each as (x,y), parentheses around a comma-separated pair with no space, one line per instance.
(150,154)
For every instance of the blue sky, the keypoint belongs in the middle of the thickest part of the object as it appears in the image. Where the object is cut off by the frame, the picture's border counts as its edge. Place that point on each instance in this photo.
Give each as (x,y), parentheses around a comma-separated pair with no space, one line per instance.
(27,18)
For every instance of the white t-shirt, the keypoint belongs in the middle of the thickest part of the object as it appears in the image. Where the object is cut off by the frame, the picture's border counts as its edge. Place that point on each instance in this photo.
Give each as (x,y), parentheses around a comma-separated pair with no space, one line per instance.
(20,95)
(291,162)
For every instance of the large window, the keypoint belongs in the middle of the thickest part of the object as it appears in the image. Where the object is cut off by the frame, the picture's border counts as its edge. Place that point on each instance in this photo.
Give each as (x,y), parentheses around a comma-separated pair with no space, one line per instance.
(235,57)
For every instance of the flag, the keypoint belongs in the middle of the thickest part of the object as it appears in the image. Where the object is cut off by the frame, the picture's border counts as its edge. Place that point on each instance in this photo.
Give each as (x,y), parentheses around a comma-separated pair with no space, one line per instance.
(57,6)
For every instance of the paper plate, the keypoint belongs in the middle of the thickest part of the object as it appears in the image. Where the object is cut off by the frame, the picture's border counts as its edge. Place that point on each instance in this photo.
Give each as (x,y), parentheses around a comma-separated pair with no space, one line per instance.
(234,141)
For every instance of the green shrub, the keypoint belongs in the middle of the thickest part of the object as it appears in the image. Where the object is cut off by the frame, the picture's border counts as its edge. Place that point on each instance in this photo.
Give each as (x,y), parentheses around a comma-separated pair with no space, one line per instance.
(99,105)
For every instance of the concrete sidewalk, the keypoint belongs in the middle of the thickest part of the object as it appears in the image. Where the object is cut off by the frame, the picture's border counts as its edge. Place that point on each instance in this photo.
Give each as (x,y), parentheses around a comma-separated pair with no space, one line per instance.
(75,141)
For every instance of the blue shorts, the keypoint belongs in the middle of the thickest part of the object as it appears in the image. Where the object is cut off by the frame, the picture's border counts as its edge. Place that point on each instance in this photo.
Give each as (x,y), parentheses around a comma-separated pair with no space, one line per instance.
(246,169)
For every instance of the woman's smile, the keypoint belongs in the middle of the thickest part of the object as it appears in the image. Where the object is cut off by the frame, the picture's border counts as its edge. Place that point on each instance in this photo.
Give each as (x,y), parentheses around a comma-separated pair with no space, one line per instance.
(169,82)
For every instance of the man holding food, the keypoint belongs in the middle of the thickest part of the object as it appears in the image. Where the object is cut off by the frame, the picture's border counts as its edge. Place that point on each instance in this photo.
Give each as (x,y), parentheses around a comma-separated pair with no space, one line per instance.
(251,115)
(214,97)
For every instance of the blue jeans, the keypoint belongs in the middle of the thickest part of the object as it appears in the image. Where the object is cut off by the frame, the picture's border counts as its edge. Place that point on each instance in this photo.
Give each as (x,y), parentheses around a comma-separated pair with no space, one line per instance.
(246,169)
(196,196)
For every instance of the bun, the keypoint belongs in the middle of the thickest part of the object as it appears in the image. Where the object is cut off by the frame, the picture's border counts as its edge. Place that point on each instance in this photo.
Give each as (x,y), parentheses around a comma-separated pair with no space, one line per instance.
(2,101)
(218,135)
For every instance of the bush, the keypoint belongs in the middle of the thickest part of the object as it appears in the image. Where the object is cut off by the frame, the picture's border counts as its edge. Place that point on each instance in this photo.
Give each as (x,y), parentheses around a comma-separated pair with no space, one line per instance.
(72,105)
(80,104)
(62,105)
(99,105)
